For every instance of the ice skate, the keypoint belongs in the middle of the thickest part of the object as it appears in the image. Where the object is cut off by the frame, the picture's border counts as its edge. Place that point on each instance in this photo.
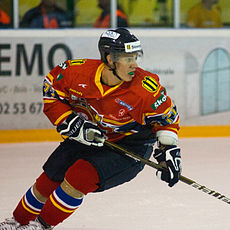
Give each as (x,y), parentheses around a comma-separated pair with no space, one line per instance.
(34,225)
(9,224)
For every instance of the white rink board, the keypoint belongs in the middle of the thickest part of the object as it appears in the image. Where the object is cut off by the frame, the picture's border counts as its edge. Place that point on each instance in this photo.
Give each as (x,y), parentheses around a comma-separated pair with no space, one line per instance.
(26,56)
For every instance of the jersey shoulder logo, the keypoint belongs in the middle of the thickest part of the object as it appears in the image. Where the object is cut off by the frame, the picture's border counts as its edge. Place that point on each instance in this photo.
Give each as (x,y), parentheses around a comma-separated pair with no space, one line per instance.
(59,77)
(77,62)
(150,84)
(63,65)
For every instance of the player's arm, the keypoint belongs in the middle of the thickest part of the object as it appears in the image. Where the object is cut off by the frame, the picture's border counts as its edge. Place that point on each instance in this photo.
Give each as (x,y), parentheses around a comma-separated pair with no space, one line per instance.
(56,94)
(57,108)
(162,115)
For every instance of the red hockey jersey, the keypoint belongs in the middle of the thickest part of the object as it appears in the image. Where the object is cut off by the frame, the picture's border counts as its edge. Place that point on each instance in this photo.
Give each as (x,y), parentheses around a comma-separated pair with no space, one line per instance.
(121,110)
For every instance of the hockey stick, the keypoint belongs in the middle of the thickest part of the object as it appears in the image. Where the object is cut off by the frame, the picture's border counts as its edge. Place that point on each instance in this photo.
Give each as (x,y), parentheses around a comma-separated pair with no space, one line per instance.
(157,166)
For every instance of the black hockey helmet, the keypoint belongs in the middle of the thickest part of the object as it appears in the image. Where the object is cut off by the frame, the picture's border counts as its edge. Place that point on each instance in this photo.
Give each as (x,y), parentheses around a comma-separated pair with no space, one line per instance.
(118,40)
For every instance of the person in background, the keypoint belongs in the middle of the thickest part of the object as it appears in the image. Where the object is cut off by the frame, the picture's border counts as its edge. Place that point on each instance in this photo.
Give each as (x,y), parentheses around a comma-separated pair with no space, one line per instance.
(46,15)
(161,15)
(205,14)
(4,18)
(103,21)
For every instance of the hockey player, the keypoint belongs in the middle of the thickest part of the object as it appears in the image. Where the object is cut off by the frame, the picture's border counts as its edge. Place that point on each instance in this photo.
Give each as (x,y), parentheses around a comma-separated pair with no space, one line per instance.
(114,99)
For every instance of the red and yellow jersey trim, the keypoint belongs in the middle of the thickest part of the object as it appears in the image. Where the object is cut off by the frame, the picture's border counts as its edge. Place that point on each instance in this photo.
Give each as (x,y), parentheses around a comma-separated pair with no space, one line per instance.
(50,78)
(66,114)
(98,81)
(49,101)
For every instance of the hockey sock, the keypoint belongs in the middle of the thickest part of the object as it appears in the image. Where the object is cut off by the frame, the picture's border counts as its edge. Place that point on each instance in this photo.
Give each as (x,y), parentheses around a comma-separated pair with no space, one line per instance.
(45,185)
(81,176)
(59,206)
(28,208)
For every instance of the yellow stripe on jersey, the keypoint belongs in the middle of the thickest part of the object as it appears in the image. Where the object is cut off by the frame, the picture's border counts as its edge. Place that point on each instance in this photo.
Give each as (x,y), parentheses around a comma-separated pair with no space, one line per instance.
(77,62)
(128,133)
(62,116)
(157,91)
(60,93)
(98,77)
(51,78)
(173,129)
(45,101)
(98,81)
(47,86)
(116,122)
(147,115)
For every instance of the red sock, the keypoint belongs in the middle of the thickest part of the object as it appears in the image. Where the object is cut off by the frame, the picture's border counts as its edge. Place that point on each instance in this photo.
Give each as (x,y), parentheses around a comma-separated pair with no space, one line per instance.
(58,207)
(83,177)
(23,213)
(29,207)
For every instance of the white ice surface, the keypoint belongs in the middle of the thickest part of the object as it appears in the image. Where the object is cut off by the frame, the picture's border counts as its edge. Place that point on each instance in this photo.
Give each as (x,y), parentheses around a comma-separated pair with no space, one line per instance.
(144,203)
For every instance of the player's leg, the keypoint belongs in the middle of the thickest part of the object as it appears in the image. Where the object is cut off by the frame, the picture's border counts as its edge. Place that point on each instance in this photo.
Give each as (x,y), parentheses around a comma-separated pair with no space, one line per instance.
(31,203)
(116,169)
(80,179)
(101,169)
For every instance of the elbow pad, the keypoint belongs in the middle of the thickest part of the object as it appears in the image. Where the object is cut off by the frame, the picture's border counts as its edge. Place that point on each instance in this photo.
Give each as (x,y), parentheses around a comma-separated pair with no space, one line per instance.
(167,137)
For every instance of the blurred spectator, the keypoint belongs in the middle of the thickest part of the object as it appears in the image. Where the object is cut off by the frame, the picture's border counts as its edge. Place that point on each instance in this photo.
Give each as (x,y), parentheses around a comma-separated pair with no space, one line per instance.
(205,14)
(46,15)
(161,12)
(103,21)
(4,18)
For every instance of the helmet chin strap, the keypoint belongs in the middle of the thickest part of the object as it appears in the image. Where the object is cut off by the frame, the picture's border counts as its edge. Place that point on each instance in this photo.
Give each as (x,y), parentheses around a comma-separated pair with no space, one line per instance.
(114,71)
(115,74)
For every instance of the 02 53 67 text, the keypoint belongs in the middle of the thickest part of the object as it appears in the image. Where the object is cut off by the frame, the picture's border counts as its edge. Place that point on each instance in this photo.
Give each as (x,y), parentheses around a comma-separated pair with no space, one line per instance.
(21,108)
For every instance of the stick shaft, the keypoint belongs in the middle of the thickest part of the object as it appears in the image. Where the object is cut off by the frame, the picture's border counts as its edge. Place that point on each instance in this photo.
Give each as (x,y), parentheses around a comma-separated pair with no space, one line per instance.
(157,166)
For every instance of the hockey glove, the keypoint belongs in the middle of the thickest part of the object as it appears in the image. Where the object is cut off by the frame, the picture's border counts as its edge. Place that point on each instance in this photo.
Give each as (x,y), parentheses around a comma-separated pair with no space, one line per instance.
(170,155)
(78,129)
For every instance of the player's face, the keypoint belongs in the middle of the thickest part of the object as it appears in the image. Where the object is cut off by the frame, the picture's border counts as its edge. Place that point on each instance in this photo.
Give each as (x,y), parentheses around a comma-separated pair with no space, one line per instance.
(126,65)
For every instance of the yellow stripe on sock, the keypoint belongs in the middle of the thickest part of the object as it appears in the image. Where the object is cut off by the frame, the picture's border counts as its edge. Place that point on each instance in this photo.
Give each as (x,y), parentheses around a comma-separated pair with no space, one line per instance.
(59,207)
(27,209)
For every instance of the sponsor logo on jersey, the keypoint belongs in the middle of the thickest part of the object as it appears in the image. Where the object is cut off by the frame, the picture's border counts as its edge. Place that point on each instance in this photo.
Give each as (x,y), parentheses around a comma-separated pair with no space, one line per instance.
(59,77)
(121,113)
(75,91)
(160,100)
(120,102)
(123,118)
(82,85)
(150,84)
